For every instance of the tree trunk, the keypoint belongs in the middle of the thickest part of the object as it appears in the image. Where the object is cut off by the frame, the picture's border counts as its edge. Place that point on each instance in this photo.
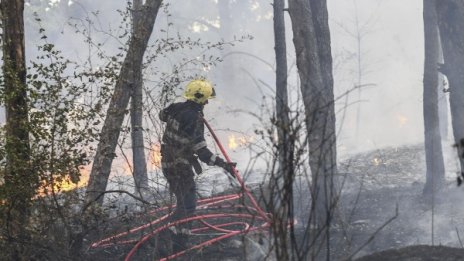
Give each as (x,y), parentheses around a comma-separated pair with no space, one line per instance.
(443,104)
(19,184)
(138,150)
(118,106)
(450,21)
(281,183)
(311,37)
(435,171)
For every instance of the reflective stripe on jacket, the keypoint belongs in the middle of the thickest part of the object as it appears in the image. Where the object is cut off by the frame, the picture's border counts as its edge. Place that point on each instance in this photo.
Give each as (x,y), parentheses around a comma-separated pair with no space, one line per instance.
(183,138)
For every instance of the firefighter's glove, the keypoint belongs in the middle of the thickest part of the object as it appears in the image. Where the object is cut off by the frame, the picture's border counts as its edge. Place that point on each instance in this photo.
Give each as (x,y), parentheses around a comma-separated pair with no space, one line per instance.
(227,166)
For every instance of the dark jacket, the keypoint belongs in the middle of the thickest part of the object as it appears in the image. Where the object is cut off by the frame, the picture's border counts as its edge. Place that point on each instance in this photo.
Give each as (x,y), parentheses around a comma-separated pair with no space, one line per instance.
(183,138)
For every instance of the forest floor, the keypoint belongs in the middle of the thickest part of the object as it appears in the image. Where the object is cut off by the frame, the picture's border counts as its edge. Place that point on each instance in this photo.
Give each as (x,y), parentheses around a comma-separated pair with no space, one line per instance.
(380,182)
(379,186)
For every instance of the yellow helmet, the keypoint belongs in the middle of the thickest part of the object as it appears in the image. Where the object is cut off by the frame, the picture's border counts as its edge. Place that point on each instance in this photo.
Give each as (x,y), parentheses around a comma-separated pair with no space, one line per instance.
(199,91)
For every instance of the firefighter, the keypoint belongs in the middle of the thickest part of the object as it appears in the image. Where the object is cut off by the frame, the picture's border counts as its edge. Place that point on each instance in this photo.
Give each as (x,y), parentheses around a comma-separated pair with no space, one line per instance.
(183,144)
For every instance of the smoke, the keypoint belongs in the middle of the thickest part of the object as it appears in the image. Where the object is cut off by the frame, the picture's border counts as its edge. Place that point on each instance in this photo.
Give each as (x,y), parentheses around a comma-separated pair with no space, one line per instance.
(387,113)
(391,59)
(391,53)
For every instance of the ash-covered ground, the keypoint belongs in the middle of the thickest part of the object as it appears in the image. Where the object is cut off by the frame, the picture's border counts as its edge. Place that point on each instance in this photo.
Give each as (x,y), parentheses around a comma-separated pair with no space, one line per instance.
(387,183)
(377,183)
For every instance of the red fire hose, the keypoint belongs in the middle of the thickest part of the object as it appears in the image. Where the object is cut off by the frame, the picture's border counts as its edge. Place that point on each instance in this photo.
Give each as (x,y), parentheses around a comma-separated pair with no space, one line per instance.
(253,220)
(237,175)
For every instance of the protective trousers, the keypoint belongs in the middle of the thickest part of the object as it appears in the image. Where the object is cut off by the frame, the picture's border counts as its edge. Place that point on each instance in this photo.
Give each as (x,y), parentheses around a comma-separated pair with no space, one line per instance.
(182,185)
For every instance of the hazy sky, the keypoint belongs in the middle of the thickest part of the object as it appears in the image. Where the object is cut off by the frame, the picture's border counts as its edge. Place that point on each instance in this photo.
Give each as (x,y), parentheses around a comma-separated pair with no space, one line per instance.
(392,56)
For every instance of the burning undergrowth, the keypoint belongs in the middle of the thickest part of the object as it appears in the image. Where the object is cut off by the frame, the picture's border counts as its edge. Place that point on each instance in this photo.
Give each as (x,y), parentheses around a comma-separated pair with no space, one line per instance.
(381,181)
(216,216)
(377,183)
(389,167)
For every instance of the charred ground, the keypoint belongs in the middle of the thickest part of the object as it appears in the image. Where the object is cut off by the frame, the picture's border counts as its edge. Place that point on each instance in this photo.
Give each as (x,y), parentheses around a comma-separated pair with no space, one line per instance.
(377,184)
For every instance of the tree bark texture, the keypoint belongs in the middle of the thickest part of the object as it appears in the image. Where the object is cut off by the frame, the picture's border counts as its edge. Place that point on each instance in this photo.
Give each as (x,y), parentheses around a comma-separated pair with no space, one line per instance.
(281,183)
(311,37)
(435,171)
(443,104)
(450,21)
(118,105)
(19,182)
(138,150)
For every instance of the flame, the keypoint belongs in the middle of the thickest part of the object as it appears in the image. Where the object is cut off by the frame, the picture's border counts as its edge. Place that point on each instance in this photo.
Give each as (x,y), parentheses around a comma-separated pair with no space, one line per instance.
(377,161)
(155,156)
(65,184)
(403,120)
(242,141)
(232,142)
(127,169)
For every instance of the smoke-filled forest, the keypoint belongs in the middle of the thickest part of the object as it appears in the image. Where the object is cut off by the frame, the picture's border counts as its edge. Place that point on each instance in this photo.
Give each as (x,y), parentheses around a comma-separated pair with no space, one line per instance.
(232,130)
